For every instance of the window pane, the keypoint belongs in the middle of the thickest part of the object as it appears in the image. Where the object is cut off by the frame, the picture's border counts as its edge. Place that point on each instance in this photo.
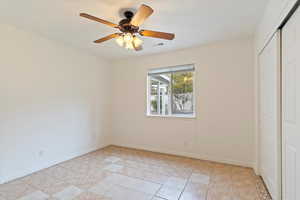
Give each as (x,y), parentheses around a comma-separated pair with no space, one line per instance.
(164,89)
(160,94)
(182,93)
(153,96)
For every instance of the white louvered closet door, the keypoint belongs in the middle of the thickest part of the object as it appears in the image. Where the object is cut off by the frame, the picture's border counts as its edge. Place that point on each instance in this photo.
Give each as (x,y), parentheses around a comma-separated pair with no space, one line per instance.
(291,107)
(270,134)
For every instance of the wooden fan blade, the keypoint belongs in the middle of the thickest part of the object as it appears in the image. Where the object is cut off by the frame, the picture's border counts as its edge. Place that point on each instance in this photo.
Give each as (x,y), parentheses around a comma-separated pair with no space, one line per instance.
(156,34)
(142,14)
(98,20)
(111,36)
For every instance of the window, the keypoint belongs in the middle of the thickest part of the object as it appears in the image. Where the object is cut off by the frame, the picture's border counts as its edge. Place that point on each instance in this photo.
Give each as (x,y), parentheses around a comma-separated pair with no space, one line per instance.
(171,91)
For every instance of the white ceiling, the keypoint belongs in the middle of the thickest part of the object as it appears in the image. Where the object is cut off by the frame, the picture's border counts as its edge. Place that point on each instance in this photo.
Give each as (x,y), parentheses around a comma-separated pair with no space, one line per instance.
(194,22)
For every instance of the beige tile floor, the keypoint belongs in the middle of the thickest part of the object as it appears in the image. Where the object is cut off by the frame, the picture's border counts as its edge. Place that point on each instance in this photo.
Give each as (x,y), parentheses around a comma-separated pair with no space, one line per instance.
(116,173)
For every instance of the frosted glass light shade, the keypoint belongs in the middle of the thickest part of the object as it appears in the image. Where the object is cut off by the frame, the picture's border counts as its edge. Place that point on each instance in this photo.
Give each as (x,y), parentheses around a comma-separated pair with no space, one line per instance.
(120,41)
(137,42)
(129,45)
(128,37)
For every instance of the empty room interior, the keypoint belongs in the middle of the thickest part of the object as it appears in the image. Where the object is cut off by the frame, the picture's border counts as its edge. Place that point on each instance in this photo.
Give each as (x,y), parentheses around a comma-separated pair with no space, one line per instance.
(150,100)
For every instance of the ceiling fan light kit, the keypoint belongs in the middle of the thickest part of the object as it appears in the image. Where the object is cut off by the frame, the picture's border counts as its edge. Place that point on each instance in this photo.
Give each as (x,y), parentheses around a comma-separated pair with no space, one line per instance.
(129,28)
(129,41)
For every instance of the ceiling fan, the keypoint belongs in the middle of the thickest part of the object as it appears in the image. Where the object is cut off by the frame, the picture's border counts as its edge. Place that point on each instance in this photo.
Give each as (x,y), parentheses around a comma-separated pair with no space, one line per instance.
(130,27)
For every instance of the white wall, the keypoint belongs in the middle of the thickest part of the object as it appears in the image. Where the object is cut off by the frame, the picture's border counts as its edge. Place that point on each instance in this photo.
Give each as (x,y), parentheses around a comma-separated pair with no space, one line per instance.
(224,127)
(54,103)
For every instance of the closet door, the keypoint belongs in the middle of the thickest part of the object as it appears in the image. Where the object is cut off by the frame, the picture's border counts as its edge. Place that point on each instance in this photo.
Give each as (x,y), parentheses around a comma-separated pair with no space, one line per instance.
(270,106)
(291,107)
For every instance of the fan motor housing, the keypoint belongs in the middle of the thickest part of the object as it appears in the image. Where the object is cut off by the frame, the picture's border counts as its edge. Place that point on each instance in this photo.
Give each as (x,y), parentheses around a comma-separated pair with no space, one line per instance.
(125,25)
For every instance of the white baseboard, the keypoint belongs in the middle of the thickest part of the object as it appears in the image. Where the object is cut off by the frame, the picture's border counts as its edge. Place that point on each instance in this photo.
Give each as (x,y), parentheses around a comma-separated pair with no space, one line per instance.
(66,157)
(187,154)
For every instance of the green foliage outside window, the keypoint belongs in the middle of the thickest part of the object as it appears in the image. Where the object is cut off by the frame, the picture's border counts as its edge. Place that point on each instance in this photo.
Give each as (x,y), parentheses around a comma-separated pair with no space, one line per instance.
(154,105)
(182,83)
(182,86)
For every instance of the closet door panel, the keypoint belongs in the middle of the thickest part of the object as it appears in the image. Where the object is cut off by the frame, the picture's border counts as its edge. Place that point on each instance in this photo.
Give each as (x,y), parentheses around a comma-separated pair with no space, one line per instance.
(291,107)
(270,140)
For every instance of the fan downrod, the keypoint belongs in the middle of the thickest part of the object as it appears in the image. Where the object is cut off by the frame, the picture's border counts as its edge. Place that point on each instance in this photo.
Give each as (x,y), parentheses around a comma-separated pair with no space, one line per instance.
(128,14)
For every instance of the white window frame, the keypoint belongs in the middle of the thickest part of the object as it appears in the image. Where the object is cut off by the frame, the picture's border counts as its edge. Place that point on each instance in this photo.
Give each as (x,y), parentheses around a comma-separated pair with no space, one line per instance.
(148,112)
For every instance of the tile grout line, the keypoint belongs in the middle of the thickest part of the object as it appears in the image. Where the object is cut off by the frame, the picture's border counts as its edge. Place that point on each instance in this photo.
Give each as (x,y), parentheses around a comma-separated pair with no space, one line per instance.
(157,192)
(146,171)
(185,185)
(133,176)
(153,195)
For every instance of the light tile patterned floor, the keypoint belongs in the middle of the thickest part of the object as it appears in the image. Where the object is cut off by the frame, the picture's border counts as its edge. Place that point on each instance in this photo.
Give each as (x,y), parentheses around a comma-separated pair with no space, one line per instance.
(116,173)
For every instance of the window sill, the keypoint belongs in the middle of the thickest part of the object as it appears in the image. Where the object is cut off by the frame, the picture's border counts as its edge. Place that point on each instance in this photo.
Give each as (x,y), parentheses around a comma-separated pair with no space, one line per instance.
(173,116)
